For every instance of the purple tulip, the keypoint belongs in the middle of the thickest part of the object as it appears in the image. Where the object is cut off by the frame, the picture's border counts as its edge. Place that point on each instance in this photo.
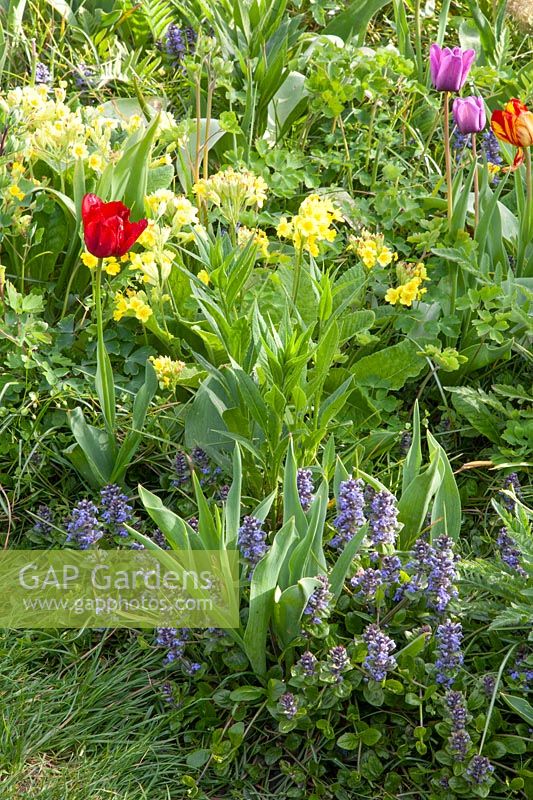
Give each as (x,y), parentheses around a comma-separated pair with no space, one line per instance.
(469,114)
(449,68)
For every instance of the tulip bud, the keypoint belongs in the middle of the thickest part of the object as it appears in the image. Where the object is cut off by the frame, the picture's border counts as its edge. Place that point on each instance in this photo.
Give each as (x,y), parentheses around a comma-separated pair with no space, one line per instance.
(469,114)
(449,67)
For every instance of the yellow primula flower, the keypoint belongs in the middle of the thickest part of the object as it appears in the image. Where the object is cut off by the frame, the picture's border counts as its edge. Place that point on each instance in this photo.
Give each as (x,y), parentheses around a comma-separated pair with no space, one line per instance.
(111,266)
(232,191)
(17,169)
(311,225)
(16,192)
(203,276)
(167,371)
(95,162)
(89,260)
(79,150)
(259,237)
(284,229)
(371,249)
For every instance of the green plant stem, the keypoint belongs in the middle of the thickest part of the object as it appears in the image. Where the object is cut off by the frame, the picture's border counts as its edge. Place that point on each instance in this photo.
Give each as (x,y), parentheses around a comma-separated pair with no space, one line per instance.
(529,194)
(418,42)
(297,273)
(448,155)
(103,367)
(476,182)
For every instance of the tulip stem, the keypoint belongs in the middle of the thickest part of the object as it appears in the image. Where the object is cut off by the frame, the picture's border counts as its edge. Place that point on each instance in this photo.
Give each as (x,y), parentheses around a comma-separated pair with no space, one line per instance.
(476,182)
(529,193)
(104,376)
(447,154)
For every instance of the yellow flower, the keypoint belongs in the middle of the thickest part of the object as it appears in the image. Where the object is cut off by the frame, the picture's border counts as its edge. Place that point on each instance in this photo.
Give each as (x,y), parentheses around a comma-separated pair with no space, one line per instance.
(143,314)
(16,191)
(392,295)
(371,249)
(111,266)
(147,237)
(203,276)
(167,371)
(259,237)
(232,191)
(95,162)
(89,260)
(17,169)
(284,229)
(185,212)
(121,307)
(79,150)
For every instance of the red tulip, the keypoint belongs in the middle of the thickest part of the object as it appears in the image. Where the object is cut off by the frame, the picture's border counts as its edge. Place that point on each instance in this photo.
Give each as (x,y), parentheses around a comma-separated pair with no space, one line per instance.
(515,126)
(107,228)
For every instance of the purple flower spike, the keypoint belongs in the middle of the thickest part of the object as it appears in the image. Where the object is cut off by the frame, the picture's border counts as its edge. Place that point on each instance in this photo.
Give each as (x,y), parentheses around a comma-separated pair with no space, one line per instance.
(449,67)
(469,114)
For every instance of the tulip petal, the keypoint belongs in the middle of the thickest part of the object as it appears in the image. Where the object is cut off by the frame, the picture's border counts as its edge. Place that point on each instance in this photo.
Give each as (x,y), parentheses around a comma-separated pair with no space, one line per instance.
(131,233)
(502,124)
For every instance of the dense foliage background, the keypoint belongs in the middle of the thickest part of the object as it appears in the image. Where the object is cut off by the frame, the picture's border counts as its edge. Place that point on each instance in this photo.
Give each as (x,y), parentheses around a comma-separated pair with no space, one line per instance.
(309,361)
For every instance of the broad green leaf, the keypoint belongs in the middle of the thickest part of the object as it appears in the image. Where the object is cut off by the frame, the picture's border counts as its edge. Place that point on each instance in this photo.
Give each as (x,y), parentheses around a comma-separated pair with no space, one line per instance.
(288,609)
(413,461)
(141,404)
(262,589)
(232,509)
(520,706)
(446,512)
(342,565)
(414,503)
(389,368)
(179,535)
(96,445)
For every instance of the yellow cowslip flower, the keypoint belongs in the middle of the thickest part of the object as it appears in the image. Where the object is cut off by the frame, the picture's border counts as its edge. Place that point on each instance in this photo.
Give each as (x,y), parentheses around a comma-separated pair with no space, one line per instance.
(311,225)
(89,260)
(111,266)
(141,310)
(162,161)
(16,192)
(371,249)
(17,169)
(284,229)
(95,162)
(159,201)
(411,288)
(259,237)
(203,276)
(167,371)
(185,212)
(79,150)
(232,191)
(121,307)
(147,237)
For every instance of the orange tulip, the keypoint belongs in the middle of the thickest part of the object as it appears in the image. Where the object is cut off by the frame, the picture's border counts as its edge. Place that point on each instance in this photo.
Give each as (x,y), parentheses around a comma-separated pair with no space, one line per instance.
(514,125)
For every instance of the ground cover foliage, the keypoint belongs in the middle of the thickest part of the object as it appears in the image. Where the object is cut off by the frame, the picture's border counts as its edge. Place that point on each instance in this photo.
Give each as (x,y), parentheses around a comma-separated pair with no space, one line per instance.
(313,349)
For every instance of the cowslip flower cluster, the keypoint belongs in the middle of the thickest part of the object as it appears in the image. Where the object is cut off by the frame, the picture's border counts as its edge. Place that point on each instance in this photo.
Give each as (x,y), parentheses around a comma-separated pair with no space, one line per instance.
(411,289)
(318,605)
(232,191)
(116,509)
(371,249)
(111,265)
(132,304)
(252,540)
(167,370)
(351,516)
(378,660)
(311,225)
(305,486)
(258,236)
(449,659)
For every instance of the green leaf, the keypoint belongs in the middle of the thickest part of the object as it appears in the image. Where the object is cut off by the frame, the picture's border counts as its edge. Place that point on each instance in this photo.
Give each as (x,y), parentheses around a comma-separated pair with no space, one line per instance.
(414,503)
(232,509)
(288,609)
(389,368)
(141,404)
(176,531)
(446,511)
(262,588)
(353,21)
(348,741)
(96,444)
(247,694)
(521,706)
(413,461)
(342,565)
